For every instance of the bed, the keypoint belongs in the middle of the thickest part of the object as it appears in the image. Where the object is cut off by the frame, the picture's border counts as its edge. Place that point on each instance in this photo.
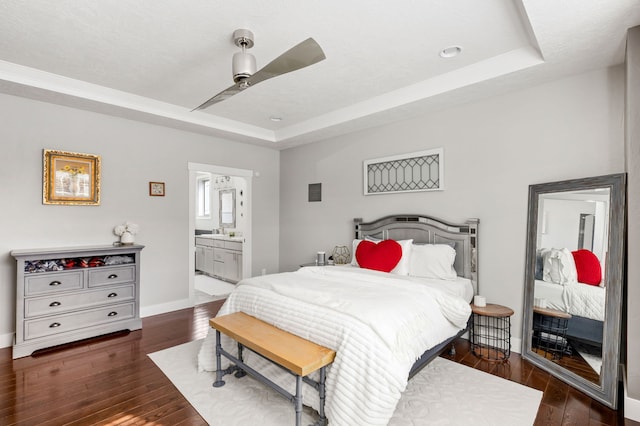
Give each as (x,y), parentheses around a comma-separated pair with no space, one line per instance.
(564,284)
(585,303)
(384,326)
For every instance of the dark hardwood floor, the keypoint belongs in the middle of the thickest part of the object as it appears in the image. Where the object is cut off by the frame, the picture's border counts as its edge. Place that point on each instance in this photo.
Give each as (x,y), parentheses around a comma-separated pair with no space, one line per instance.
(111,381)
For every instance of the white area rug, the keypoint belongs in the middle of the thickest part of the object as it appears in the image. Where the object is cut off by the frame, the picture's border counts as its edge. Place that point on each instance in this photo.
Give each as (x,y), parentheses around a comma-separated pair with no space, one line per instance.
(443,393)
(212,286)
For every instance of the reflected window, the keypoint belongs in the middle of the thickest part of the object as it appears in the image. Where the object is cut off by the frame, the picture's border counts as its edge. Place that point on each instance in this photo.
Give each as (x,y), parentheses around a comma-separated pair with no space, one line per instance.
(203,198)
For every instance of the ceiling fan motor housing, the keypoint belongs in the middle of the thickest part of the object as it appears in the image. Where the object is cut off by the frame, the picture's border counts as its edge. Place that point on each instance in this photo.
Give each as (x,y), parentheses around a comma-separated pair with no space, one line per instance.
(244,66)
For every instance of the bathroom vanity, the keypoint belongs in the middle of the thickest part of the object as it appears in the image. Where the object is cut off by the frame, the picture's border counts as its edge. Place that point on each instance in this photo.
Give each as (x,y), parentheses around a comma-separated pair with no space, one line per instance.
(219,256)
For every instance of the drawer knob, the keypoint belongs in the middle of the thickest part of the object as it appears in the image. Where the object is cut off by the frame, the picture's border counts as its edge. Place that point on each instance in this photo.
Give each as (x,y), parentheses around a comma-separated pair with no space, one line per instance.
(54,325)
(112,294)
(55,283)
(54,304)
(112,276)
(112,314)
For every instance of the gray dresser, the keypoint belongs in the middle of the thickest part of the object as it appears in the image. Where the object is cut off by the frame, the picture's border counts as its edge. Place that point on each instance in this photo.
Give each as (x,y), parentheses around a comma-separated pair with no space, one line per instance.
(73,293)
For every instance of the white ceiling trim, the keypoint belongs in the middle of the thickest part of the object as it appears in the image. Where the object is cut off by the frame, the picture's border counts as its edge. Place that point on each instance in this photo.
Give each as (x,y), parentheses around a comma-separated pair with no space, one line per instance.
(32,78)
(56,88)
(501,65)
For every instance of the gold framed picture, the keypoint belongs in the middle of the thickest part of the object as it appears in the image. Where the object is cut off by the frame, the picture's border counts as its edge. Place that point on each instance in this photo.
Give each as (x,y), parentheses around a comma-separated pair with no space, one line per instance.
(156,189)
(70,178)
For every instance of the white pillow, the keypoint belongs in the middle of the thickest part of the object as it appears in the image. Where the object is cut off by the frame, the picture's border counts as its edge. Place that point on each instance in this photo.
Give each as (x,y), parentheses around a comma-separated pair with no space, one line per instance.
(354,246)
(402,268)
(559,266)
(433,261)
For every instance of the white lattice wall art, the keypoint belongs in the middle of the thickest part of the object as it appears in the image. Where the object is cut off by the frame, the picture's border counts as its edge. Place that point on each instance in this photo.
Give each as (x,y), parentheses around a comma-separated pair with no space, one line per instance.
(417,171)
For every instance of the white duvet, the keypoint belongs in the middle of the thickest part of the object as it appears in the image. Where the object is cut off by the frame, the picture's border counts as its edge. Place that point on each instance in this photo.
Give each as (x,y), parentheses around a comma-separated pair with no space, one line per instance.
(575,298)
(379,324)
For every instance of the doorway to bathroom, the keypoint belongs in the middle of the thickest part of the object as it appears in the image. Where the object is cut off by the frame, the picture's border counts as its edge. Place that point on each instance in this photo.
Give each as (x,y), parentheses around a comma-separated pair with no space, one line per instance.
(219,230)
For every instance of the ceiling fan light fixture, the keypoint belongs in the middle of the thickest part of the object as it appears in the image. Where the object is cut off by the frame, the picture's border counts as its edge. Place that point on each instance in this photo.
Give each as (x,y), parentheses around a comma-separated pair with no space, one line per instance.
(450,52)
(244,66)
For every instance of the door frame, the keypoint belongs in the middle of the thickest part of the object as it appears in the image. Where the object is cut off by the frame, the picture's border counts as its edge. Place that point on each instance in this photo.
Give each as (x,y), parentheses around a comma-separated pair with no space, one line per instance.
(246,233)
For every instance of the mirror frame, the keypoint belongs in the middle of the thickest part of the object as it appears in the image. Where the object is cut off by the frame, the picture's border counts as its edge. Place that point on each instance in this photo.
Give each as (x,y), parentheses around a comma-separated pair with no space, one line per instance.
(222,193)
(607,390)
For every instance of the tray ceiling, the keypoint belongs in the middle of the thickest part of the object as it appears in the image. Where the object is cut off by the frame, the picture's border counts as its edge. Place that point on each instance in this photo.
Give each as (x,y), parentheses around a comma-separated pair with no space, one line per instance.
(156,60)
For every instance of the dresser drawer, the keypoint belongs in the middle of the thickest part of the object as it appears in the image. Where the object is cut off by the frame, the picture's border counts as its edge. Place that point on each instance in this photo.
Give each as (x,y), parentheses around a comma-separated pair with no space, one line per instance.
(111,275)
(55,304)
(56,324)
(205,242)
(42,283)
(233,245)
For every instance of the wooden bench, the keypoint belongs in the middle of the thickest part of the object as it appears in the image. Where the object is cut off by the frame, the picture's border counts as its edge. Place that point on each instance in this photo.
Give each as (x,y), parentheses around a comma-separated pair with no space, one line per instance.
(297,355)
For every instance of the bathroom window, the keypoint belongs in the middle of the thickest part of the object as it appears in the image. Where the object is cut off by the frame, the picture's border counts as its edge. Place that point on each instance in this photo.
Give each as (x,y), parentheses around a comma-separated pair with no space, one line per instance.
(204,201)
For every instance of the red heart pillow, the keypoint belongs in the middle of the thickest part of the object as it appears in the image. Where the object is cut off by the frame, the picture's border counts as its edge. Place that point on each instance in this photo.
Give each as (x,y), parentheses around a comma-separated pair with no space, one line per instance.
(588,267)
(383,256)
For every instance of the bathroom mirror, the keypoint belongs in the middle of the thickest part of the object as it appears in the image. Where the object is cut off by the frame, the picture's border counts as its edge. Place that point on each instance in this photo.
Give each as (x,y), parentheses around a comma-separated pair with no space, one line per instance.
(573,282)
(228,208)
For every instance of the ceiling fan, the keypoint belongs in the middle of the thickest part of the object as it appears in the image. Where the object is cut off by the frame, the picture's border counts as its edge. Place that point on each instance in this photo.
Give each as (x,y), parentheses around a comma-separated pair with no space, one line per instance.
(301,55)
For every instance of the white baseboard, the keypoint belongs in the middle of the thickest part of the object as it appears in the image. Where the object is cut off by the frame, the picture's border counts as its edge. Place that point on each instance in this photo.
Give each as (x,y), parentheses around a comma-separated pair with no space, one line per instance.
(631,405)
(163,308)
(6,340)
(516,345)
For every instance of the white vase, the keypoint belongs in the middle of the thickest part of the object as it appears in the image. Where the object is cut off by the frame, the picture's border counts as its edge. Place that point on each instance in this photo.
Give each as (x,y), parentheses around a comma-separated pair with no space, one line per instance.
(126,238)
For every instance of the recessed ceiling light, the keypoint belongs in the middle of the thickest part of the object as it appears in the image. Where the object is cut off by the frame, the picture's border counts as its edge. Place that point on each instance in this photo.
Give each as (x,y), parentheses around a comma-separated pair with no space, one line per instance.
(450,52)
(275,118)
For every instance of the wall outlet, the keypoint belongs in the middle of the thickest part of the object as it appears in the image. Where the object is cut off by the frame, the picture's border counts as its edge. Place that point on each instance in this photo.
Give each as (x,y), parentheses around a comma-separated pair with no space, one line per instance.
(264,271)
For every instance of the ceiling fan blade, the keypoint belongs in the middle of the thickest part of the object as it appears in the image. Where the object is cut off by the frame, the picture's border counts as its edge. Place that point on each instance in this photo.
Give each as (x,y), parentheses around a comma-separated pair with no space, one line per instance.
(301,55)
(226,93)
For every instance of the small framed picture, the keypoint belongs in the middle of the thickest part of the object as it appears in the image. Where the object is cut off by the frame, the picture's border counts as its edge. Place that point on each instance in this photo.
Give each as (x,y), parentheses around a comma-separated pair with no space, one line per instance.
(156,189)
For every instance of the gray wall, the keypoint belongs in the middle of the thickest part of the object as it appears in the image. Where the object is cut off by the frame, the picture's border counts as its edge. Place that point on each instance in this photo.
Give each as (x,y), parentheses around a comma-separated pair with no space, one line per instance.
(133,154)
(633,232)
(493,150)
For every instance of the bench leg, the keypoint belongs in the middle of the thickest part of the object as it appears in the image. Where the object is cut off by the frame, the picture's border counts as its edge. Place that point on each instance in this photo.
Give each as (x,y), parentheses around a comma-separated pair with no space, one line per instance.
(240,372)
(219,373)
(321,391)
(298,400)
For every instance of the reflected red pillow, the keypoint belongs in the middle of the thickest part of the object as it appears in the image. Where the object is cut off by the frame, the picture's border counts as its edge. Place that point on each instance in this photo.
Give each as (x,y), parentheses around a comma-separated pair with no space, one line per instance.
(383,256)
(588,267)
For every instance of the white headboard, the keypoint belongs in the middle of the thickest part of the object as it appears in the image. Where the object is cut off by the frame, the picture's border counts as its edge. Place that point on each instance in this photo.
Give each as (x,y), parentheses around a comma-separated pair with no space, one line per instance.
(428,230)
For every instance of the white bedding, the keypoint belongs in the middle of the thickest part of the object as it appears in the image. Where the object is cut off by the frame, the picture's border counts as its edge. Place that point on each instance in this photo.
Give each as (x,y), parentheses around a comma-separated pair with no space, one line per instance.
(576,299)
(378,323)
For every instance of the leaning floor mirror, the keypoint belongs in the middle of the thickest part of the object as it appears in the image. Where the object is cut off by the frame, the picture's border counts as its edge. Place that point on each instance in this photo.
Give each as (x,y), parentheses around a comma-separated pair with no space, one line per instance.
(574,282)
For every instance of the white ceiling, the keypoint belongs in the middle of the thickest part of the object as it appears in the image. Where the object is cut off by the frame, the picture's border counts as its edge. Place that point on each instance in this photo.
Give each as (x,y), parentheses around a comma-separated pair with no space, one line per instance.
(156,60)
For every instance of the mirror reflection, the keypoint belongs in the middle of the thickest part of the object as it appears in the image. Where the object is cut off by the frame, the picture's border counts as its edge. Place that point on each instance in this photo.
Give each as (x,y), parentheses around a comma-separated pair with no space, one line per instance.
(228,208)
(574,281)
(569,294)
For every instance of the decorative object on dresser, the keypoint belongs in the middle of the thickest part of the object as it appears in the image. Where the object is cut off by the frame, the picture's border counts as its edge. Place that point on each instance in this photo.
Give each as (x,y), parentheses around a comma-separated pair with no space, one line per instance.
(156,189)
(126,232)
(490,332)
(70,178)
(73,293)
(414,172)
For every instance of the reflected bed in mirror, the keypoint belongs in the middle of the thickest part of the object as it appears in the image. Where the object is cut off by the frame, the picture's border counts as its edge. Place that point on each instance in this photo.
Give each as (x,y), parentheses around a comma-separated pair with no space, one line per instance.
(573,282)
